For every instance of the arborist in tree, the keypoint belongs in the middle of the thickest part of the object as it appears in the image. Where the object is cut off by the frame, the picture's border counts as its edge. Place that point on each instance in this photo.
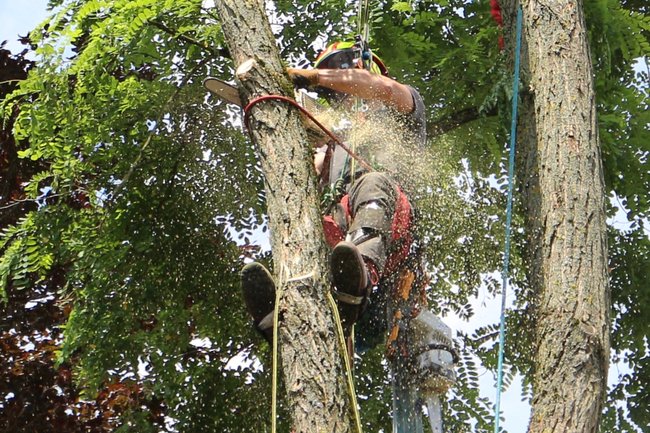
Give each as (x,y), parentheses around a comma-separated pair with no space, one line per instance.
(369,218)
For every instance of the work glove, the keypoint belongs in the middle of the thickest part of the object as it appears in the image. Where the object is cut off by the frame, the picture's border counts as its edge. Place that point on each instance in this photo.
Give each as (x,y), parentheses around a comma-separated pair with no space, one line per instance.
(303,78)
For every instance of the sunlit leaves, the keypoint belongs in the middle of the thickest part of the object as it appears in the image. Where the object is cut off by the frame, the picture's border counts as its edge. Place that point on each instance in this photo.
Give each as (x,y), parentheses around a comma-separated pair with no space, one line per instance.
(401,6)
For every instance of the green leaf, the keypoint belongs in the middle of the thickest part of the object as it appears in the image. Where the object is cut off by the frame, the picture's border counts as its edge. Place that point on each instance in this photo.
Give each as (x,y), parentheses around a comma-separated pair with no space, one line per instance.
(401,7)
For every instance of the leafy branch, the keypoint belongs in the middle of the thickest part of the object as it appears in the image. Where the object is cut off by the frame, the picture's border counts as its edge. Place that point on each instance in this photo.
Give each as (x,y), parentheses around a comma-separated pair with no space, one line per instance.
(458,119)
(154,131)
(221,52)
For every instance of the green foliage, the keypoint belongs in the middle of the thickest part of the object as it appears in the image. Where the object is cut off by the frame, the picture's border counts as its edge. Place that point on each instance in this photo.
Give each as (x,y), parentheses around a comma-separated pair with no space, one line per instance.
(628,400)
(619,38)
(29,254)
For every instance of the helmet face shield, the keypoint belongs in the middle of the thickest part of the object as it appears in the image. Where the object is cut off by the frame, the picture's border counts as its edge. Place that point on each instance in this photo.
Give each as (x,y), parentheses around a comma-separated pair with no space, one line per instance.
(343,55)
(344,59)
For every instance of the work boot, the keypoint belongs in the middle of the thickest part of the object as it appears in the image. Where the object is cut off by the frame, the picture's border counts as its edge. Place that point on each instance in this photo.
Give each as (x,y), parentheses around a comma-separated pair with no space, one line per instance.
(353,278)
(258,289)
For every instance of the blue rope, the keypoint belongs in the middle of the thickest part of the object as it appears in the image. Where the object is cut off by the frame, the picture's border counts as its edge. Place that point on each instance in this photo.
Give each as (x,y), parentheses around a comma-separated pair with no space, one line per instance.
(506,258)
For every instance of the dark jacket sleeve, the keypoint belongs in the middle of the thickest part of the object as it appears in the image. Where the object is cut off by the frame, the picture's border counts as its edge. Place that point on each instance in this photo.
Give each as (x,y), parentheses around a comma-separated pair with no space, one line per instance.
(416,120)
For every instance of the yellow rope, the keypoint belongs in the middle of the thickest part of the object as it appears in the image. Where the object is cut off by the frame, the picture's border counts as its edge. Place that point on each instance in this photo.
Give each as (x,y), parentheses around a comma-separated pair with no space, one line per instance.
(346,361)
(274,374)
(342,347)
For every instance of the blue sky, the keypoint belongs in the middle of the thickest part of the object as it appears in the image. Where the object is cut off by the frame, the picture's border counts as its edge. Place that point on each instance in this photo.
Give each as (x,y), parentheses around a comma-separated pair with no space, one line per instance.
(18,18)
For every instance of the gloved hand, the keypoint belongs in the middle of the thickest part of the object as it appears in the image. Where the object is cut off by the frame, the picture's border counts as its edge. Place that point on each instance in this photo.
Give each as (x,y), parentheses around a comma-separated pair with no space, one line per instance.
(303,78)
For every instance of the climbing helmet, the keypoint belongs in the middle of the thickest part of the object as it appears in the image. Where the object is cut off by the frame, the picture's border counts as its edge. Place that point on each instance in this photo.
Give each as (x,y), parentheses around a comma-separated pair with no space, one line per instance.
(344,55)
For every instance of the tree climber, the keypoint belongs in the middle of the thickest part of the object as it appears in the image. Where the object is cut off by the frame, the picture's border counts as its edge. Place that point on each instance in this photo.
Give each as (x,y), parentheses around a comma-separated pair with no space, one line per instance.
(368,222)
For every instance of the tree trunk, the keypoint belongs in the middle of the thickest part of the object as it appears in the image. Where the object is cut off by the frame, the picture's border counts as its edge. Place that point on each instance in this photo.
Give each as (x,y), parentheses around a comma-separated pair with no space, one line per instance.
(561,179)
(310,357)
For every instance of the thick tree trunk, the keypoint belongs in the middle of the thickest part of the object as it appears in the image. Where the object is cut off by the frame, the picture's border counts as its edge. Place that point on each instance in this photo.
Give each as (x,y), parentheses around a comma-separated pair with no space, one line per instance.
(310,358)
(561,178)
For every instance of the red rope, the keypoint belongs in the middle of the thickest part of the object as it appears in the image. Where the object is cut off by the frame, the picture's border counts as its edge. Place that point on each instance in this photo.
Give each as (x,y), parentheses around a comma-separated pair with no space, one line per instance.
(495,10)
(292,102)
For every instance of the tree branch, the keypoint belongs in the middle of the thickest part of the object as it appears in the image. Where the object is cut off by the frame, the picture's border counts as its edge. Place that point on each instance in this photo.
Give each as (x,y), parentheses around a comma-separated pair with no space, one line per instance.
(457,119)
(221,52)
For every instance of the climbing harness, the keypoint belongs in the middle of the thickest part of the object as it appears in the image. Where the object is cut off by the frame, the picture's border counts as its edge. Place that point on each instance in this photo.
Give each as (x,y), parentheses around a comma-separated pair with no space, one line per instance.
(506,255)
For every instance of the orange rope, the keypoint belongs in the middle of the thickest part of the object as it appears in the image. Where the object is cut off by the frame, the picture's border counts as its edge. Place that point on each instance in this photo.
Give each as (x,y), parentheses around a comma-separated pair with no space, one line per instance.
(292,102)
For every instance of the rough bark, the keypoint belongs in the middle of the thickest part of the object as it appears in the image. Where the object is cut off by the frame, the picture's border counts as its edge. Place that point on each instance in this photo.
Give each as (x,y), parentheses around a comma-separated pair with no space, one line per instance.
(561,180)
(310,359)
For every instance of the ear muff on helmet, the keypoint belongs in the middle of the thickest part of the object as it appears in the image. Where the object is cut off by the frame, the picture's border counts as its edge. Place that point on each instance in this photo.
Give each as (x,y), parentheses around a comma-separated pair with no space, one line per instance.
(342,55)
